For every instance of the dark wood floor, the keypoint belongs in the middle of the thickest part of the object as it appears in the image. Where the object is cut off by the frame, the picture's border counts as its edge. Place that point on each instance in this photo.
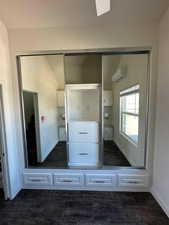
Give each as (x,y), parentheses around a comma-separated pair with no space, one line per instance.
(58,157)
(113,155)
(37,207)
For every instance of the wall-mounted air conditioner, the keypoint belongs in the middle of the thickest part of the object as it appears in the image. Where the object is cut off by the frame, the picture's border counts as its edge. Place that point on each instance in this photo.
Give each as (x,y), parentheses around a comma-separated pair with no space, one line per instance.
(119,74)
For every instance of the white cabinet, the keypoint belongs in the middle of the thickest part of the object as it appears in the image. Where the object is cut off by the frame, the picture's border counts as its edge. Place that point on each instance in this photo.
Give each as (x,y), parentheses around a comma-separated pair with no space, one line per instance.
(83,154)
(83,112)
(101,180)
(136,181)
(84,131)
(73,179)
(38,179)
(83,144)
(107,98)
(61,98)
(88,179)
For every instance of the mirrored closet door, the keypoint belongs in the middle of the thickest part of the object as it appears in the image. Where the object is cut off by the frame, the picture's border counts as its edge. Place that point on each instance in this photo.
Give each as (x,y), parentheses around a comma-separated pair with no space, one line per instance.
(125,105)
(85,110)
(83,103)
(43,90)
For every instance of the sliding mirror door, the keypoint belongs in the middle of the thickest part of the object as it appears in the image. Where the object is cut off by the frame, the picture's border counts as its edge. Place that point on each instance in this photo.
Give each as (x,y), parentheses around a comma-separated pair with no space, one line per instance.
(83,74)
(43,87)
(125,102)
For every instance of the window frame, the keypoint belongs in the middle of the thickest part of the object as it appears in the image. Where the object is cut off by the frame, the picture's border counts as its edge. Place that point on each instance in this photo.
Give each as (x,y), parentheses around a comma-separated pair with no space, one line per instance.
(134,89)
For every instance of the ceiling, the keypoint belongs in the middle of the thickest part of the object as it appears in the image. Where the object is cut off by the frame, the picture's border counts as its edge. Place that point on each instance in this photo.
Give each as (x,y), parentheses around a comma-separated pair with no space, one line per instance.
(59,13)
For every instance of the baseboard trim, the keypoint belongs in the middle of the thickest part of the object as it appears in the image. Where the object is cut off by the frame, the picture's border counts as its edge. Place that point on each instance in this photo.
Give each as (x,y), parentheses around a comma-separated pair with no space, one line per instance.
(161,202)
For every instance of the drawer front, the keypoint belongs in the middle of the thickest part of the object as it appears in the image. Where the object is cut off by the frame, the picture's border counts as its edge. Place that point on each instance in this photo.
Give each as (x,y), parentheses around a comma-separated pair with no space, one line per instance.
(83,132)
(69,179)
(133,181)
(37,179)
(84,153)
(101,180)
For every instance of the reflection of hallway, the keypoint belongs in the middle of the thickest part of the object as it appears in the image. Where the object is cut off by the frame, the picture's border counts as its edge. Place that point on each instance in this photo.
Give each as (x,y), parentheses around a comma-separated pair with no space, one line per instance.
(113,156)
(57,158)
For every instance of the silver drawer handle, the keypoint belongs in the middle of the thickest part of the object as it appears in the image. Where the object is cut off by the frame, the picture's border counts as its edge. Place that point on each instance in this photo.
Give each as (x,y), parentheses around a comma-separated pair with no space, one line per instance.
(99,181)
(83,154)
(133,182)
(36,180)
(67,181)
(83,132)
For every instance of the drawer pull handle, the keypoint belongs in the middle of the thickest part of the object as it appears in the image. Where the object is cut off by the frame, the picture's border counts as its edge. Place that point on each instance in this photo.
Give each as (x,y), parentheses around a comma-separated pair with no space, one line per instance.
(99,181)
(36,180)
(83,154)
(83,132)
(133,182)
(70,181)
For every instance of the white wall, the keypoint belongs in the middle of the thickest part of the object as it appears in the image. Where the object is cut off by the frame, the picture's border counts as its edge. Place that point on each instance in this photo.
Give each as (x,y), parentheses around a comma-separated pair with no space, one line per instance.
(109,67)
(161,160)
(38,77)
(83,69)
(87,37)
(56,63)
(73,69)
(15,165)
(92,69)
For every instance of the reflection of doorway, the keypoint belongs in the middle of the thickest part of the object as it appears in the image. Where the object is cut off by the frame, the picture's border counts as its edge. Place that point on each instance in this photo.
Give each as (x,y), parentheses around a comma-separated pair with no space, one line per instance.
(4,182)
(31,114)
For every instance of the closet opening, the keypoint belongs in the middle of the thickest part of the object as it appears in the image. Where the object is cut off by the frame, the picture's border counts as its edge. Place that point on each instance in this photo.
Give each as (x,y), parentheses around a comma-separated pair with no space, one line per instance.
(85,110)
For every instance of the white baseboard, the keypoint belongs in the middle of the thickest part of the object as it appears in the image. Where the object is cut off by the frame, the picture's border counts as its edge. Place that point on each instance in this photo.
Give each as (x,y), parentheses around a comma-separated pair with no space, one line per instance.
(161,202)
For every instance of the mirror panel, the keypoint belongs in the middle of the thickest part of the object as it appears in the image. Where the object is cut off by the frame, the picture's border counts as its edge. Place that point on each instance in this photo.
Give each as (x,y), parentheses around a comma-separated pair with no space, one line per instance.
(44,110)
(125,109)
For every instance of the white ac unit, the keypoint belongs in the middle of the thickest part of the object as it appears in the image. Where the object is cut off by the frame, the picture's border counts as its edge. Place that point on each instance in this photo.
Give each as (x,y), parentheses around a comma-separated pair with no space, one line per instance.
(119,74)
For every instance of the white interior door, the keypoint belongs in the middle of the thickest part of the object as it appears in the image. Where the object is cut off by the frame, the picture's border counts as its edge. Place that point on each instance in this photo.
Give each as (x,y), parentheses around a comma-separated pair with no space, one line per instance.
(3,153)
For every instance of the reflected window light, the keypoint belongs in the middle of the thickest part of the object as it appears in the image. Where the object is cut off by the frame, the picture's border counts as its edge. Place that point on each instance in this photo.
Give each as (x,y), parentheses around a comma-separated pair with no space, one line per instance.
(129,113)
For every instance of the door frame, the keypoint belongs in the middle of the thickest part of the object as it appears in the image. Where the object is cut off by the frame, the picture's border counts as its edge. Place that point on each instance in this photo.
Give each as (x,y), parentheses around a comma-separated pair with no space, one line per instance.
(37,123)
(103,51)
(4,161)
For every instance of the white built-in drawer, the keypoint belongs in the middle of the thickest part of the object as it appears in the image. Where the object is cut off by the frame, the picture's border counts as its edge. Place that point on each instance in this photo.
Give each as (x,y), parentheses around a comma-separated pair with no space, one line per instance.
(83,131)
(83,154)
(74,179)
(101,180)
(34,179)
(132,180)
